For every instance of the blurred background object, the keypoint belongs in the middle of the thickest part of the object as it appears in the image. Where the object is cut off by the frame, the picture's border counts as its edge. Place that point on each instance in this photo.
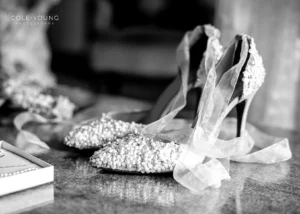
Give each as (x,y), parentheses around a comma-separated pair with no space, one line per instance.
(128,44)
(23,40)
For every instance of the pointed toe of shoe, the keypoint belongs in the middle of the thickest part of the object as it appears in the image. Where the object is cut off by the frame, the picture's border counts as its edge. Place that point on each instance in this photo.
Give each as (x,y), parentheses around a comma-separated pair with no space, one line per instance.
(96,133)
(135,153)
(85,137)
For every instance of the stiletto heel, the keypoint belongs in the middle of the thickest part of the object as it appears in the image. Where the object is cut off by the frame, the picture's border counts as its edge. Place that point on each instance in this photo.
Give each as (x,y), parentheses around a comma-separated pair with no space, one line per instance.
(198,97)
(239,116)
(94,134)
(242,109)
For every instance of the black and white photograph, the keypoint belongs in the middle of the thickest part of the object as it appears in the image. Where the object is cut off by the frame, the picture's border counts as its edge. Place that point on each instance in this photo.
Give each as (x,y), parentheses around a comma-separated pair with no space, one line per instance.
(149,106)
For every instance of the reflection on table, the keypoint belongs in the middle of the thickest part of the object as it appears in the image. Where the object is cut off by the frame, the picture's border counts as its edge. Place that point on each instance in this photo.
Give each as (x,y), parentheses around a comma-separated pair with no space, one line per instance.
(27,200)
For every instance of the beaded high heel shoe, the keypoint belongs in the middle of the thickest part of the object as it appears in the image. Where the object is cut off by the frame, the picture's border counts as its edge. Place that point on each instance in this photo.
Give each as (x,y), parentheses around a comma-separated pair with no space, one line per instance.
(204,160)
(232,83)
(95,133)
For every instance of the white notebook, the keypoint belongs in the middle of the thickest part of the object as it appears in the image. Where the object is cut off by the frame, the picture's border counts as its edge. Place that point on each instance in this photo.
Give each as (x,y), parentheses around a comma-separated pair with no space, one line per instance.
(20,170)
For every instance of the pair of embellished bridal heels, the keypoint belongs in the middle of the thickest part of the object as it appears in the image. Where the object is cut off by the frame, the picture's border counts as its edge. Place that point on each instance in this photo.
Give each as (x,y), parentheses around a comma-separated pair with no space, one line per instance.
(236,78)
(194,153)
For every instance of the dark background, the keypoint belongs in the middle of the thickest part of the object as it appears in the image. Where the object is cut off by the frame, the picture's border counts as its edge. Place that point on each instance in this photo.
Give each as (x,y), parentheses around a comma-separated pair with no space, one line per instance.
(119,47)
